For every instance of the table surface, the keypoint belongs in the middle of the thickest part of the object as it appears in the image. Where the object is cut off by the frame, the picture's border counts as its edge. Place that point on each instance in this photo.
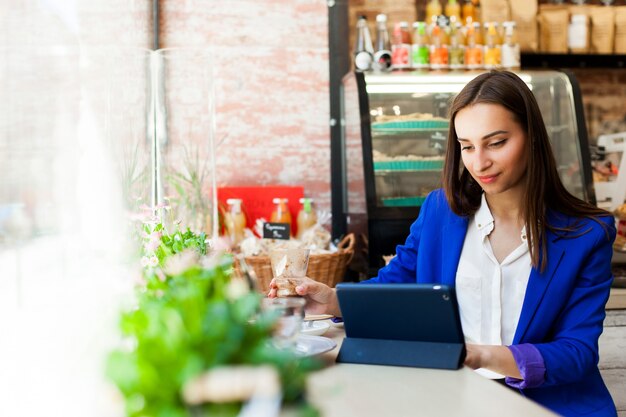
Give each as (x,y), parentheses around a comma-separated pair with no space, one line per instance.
(345,390)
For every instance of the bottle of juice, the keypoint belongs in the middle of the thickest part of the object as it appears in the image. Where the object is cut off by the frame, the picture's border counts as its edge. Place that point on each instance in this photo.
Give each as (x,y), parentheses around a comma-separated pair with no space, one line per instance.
(281,212)
(306,217)
(235,221)
(401,46)
(438,50)
(474,50)
(493,53)
(456,50)
(478,33)
(453,10)
(382,50)
(477,13)
(467,12)
(433,9)
(510,47)
(421,54)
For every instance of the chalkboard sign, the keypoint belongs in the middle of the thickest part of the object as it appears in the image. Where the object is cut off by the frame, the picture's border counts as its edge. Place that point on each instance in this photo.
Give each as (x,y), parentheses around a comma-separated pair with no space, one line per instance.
(276,231)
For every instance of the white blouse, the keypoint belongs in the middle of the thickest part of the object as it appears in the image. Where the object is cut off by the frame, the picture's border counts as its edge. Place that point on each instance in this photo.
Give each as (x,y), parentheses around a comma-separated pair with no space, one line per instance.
(490,294)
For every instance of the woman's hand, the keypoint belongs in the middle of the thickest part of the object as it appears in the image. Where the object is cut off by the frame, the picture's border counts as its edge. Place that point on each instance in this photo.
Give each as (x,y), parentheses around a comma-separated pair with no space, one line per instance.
(475,356)
(493,357)
(321,299)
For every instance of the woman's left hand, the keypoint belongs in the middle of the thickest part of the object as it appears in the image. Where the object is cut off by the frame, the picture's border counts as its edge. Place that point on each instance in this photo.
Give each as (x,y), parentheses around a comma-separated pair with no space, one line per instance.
(493,357)
(475,357)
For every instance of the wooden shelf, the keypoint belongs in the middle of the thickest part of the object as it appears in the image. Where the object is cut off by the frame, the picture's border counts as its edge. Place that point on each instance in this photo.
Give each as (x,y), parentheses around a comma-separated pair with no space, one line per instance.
(540,60)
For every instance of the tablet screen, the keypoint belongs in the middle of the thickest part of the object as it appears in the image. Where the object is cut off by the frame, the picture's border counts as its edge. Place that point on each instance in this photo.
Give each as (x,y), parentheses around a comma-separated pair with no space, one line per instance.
(411,312)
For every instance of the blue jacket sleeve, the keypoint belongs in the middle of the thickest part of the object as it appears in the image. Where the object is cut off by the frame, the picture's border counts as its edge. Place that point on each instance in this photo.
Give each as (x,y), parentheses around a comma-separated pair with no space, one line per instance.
(573,351)
(402,268)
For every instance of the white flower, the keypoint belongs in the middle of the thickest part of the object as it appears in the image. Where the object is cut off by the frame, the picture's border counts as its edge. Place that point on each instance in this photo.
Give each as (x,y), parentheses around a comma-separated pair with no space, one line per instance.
(181,262)
(237,288)
(145,261)
(153,261)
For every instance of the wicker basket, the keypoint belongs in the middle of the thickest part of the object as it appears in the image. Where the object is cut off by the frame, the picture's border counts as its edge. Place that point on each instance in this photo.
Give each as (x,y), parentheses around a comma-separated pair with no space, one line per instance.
(328,268)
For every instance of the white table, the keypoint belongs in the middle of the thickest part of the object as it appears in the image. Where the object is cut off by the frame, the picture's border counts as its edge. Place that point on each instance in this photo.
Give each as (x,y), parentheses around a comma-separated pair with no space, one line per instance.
(345,390)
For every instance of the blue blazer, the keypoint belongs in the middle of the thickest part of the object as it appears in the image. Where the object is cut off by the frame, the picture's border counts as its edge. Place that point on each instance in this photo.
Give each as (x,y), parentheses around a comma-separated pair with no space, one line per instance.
(563,308)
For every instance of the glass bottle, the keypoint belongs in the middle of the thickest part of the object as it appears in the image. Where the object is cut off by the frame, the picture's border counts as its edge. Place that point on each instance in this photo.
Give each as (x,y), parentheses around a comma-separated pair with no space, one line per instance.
(493,53)
(510,47)
(453,10)
(421,54)
(235,221)
(477,16)
(382,54)
(401,47)
(433,9)
(438,50)
(281,212)
(467,12)
(456,50)
(306,217)
(474,50)
(478,33)
(363,49)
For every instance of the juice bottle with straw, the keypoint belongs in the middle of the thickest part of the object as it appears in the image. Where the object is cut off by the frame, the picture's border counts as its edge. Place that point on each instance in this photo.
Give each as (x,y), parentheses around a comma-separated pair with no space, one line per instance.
(473,51)
(493,53)
(421,55)
(438,50)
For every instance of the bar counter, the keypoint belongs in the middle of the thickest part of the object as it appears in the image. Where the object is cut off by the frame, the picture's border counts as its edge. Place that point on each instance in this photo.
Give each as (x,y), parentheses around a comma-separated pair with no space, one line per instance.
(344,390)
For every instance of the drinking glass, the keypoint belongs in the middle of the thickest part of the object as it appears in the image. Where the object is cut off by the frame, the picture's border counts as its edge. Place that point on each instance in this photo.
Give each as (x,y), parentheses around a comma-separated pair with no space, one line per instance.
(288,268)
(290,312)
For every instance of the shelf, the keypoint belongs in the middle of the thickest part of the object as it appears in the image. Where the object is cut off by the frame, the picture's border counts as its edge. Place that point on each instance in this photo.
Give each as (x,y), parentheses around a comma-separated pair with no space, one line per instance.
(414,201)
(409,165)
(404,171)
(540,60)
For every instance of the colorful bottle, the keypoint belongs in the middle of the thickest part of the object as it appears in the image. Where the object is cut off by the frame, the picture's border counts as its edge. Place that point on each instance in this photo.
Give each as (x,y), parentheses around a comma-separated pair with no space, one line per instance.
(363,49)
(235,221)
(477,12)
(456,50)
(306,217)
(478,33)
(382,50)
(281,212)
(510,47)
(401,46)
(467,12)
(493,53)
(433,9)
(420,58)
(453,11)
(438,50)
(473,50)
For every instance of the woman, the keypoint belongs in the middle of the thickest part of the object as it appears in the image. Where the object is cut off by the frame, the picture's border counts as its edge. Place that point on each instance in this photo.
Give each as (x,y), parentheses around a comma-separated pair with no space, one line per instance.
(531,263)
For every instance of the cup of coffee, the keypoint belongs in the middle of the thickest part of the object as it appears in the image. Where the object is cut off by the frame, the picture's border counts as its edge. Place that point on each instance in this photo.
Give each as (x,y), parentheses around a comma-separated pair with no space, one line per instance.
(288,268)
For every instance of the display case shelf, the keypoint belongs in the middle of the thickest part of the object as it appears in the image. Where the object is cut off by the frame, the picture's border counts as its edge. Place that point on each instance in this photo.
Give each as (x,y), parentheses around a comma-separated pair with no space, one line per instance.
(411,166)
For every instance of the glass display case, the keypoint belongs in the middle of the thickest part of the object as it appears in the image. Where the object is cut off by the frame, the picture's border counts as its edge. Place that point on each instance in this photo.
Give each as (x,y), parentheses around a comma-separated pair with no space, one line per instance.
(398,122)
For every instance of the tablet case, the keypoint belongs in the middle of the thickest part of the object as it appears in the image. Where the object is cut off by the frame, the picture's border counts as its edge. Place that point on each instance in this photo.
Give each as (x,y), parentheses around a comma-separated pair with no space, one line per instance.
(415,325)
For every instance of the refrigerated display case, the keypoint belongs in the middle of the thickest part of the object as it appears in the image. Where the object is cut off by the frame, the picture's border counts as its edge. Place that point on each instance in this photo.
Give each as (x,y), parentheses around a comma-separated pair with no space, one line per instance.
(395,128)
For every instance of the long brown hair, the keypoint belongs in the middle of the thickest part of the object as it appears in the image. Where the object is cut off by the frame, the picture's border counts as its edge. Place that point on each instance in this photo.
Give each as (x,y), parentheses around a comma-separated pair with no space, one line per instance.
(543,189)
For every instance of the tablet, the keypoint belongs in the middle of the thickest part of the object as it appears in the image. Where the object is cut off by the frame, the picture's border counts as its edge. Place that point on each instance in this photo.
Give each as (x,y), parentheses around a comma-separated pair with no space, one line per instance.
(401,324)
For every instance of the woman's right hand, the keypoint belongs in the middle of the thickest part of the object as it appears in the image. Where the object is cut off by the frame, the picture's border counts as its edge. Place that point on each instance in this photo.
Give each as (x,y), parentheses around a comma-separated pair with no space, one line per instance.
(321,299)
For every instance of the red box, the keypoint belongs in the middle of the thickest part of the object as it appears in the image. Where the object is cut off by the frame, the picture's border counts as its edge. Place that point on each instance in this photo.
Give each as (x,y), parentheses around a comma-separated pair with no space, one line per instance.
(257,201)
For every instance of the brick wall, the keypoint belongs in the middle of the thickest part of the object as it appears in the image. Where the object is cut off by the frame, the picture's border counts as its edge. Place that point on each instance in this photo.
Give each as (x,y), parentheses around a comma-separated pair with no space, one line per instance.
(272,83)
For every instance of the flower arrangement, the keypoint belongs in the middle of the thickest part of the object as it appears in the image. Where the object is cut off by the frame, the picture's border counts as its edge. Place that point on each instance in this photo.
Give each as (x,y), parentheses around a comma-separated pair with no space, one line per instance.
(196,341)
